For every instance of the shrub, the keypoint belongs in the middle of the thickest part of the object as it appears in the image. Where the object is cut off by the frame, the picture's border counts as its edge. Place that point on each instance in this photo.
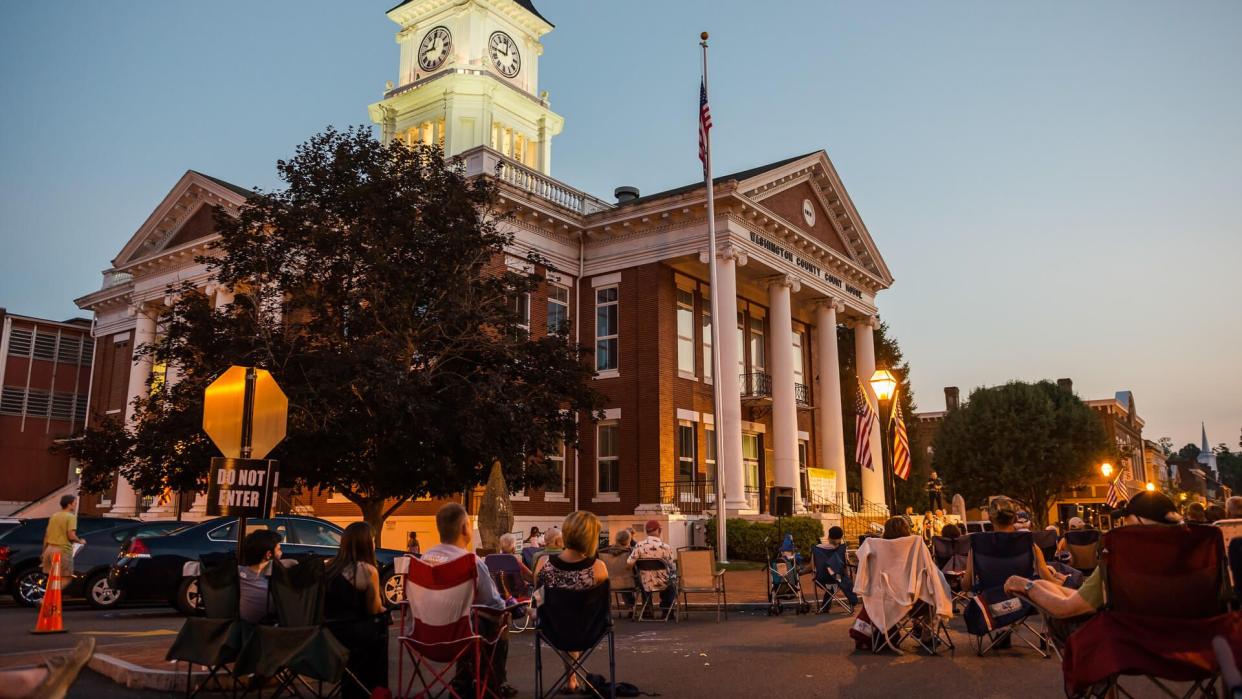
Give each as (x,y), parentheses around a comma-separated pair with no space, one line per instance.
(746,537)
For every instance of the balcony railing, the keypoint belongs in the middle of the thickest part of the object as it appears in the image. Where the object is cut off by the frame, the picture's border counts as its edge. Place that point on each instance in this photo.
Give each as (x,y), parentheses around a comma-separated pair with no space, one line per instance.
(756,386)
(485,161)
(690,497)
(802,395)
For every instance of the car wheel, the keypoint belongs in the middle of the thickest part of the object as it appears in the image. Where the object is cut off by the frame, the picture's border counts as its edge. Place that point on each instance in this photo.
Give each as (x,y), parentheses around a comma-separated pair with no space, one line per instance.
(186,600)
(393,586)
(101,595)
(29,586)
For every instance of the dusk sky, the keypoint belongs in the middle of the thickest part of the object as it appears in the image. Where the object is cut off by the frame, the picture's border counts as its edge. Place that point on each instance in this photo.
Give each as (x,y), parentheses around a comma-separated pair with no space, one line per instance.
(1057,187)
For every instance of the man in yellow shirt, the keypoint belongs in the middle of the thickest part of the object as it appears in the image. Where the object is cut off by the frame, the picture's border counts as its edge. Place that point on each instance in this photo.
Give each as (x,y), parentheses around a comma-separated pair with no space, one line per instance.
(62,534)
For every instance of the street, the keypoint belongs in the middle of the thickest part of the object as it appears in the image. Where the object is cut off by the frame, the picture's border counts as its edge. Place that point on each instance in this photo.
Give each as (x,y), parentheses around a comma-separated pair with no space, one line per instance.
(750,655)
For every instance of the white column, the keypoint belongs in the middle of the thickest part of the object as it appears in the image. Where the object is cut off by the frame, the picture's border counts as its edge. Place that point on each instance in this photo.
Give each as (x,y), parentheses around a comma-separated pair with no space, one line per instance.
(729,461)
(125,504)
(828,400)
(864,360)
(784,404)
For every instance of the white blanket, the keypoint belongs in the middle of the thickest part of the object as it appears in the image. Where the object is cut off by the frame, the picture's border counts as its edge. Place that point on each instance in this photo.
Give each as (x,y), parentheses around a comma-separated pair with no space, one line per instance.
(894,574)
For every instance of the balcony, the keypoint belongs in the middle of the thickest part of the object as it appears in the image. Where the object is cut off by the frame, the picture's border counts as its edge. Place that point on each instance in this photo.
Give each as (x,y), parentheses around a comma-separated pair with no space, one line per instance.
(756,388)
(690,497)
(802,396)
(485,161)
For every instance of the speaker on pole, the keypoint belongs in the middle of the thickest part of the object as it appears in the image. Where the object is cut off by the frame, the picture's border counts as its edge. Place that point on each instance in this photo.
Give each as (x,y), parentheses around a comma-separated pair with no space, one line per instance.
(780,501)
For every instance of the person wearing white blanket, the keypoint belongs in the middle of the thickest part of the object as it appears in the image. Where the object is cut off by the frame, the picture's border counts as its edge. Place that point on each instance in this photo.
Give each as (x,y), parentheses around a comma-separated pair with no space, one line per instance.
(895,575)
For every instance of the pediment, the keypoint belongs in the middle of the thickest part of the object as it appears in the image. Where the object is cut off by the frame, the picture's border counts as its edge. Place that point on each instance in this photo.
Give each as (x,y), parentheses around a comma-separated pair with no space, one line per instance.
(784,189)
(184,215)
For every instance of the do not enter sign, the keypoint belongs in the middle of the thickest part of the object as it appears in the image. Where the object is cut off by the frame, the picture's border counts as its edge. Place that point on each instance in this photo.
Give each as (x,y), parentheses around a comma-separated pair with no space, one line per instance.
(241,487)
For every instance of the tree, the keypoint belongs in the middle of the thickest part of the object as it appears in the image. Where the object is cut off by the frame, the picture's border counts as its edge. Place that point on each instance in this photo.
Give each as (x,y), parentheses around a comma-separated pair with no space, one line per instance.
(888,355)
(1028,441)
(368,287)
(1166,446)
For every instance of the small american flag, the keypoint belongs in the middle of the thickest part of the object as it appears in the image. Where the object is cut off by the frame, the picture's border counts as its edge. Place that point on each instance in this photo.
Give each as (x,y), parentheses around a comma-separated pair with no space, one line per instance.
(1117,492)
(865,418)
(901,443)
(705,124)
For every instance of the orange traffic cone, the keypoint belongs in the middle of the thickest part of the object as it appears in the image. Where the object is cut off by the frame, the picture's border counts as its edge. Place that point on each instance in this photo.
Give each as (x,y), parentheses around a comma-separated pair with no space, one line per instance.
(49,613)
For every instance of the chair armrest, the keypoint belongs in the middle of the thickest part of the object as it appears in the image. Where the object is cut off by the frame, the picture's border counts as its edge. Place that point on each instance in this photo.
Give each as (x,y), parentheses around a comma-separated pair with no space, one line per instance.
(401,565)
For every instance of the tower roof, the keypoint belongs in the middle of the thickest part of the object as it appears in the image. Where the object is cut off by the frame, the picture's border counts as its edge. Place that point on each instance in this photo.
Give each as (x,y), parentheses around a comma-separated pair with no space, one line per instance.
(527,5)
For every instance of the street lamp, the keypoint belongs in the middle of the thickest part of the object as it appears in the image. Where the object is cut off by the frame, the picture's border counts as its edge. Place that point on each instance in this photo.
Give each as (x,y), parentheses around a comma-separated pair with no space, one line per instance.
(1106,469)
(885,386)
(1151,487)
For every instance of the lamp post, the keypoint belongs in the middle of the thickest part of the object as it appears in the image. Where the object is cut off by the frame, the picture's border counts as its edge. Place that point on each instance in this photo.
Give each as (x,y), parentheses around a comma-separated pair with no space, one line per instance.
(885,387)
(1106,469)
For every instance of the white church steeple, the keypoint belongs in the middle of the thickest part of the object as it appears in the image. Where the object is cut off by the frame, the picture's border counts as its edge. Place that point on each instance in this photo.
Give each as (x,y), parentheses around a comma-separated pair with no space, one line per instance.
(468,76)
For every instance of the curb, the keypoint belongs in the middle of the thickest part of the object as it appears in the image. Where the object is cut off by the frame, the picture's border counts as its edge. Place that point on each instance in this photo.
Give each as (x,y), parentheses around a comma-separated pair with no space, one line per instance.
(134,676)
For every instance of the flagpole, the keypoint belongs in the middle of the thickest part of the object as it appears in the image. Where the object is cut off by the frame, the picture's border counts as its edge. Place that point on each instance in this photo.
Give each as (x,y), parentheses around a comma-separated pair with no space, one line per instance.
(722,553)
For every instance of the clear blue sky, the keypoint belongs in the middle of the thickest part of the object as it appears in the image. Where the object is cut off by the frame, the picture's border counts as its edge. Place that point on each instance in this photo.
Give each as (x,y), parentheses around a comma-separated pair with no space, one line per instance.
(1056,186)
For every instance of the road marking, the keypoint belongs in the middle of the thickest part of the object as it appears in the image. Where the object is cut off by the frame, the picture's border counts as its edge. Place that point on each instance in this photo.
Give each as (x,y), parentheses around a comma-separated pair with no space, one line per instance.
(128,634)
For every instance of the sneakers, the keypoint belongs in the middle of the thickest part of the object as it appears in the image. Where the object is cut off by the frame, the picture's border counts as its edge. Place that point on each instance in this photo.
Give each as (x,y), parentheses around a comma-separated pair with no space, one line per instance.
(62,670)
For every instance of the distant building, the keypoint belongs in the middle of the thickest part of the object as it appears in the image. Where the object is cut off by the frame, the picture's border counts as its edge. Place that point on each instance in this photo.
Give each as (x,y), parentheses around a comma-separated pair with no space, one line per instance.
(45,370)
(1157,465)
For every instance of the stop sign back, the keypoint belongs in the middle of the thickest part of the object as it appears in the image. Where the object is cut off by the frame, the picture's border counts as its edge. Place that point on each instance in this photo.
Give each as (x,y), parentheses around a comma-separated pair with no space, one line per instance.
(225,412)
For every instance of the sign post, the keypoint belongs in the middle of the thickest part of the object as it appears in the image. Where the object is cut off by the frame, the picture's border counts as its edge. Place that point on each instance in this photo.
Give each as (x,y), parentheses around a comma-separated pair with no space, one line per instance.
(245,413)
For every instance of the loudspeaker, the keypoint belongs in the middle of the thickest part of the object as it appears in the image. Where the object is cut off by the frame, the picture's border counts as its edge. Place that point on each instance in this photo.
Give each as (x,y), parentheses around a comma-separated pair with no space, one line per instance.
(780,501)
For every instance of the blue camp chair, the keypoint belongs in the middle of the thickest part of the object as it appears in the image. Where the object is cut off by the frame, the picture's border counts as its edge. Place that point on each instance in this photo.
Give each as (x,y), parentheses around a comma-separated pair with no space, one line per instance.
(995,617)
(831,578)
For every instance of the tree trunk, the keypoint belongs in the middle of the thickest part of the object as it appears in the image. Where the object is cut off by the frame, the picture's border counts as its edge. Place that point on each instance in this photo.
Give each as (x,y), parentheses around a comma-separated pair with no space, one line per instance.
(374,514)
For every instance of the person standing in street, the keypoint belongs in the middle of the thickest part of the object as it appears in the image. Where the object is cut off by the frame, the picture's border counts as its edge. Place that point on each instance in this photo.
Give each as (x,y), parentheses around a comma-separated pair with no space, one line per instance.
(935,492)
(61,535)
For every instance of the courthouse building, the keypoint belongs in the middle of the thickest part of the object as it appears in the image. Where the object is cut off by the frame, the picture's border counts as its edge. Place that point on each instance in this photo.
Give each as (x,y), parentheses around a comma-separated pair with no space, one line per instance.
(630,277)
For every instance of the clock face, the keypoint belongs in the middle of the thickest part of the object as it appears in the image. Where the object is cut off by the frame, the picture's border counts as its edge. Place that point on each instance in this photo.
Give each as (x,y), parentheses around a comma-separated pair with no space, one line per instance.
(435,48)
(808,212)
(504,52)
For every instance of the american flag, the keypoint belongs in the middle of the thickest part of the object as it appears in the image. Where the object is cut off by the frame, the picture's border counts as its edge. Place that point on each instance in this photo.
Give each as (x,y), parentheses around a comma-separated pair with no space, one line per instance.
(901,443)
(705,124)
(1117,492)
(865,418)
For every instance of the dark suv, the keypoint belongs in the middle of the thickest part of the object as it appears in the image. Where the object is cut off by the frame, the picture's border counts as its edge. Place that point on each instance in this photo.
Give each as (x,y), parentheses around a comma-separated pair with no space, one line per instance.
(21,552)
(152,567)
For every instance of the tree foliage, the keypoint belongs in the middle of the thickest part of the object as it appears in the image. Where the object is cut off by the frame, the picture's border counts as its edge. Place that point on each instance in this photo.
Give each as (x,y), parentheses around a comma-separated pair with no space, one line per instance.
(1028,441)
(369,286)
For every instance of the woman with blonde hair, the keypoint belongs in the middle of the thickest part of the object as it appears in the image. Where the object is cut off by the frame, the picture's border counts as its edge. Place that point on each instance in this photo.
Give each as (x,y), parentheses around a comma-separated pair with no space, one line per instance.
(575,567)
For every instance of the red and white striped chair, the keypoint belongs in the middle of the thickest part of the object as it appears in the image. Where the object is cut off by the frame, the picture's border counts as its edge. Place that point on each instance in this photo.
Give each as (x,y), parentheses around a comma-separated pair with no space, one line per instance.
(440,626)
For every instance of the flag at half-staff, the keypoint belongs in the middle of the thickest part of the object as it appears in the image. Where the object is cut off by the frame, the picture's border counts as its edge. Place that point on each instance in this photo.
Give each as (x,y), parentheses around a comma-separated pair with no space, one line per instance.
(865,418)
(1117,492)
(901,443)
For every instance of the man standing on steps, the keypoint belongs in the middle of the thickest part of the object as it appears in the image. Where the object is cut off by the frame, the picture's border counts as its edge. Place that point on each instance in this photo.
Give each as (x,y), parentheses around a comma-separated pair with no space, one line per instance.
(61,535)
(935,490)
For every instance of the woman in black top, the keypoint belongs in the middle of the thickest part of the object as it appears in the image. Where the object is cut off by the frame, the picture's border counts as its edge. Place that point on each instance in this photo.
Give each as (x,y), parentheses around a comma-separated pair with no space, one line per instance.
(354,612)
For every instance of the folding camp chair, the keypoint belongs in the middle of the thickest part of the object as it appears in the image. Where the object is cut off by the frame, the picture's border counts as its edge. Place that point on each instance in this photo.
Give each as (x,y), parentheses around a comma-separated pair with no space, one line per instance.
(697,566)
(506,572)
(919,589)
(830,567)
(575,621)
(215,639)
(298,649)
(994,616)
(1084,548)
(1046,541)
(621,579)
(1165,597)
(951,556)
(440,624)
(649,597)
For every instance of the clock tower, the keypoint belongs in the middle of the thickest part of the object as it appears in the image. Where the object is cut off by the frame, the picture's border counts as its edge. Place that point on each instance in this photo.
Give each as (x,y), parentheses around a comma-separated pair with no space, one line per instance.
(468,77)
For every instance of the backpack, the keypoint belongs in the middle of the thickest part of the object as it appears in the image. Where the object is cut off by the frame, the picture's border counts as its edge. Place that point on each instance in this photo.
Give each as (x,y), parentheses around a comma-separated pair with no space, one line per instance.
(620,689)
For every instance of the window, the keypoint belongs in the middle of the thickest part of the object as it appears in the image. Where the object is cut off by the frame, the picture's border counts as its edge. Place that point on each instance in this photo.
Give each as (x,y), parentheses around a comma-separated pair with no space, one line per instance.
(228,532)
(557,461)
(741,343)
(706,323)
(685,450)
(799,373)
(606,329)
(558,310)
(19,342)
(521,305)
(709,453)
(69,350)
(685,333)
(44,346)
(11,400)
(750,460)
(312,533)
(757,355)
(802,474)
(37,403)
(608,465)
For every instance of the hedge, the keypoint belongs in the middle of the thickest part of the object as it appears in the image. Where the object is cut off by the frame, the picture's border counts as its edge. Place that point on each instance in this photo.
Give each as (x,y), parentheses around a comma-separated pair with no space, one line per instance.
(746,537)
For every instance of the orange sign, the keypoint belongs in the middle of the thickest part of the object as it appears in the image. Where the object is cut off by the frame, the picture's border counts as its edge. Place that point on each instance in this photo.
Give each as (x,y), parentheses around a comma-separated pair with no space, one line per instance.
(225,411)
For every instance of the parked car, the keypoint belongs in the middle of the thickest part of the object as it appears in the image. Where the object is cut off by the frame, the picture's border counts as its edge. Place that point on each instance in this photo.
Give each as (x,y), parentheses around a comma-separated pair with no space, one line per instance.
(94,561)
(21,552)
(152,567)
